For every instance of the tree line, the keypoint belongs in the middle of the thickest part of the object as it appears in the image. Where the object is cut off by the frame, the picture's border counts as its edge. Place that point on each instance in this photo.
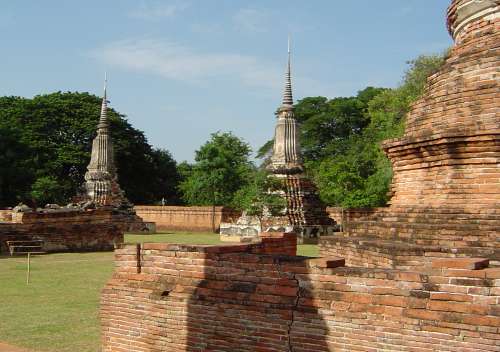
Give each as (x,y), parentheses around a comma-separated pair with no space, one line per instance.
(45,145)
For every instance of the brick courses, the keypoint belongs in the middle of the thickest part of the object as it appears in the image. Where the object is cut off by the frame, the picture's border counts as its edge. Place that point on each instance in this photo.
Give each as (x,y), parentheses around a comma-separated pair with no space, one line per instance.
(422,275)
(178,218)
(252,297)
(67,231)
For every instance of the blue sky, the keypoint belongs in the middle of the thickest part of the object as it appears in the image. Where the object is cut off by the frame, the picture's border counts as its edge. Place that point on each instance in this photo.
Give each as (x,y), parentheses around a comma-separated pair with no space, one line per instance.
(181,70)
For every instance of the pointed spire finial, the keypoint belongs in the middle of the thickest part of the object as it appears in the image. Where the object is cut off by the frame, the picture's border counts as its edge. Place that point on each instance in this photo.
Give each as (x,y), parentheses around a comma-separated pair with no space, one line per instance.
(103,120)
(287,95)
(105,82)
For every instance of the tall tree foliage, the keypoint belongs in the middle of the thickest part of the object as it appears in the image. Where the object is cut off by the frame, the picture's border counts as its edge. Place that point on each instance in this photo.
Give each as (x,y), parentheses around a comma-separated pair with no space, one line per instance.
(262,196)
(361,175)
(53,135)
(221,168)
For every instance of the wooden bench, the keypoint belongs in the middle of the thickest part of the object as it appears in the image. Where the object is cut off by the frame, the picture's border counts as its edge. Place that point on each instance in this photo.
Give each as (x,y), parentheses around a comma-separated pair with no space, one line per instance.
(26,246)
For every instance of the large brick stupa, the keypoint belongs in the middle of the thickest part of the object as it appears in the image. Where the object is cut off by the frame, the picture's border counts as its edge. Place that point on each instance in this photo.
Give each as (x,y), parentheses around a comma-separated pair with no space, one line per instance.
(446,183)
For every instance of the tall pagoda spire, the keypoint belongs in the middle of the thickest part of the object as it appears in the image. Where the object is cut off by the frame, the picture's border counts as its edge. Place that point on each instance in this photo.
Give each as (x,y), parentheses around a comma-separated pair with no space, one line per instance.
(101,185)
(305,214)
(287,94)
(103,120)
(286,158)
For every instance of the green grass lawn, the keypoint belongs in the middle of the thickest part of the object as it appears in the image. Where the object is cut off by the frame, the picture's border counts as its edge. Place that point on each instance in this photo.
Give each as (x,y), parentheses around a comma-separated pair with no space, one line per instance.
(58,310)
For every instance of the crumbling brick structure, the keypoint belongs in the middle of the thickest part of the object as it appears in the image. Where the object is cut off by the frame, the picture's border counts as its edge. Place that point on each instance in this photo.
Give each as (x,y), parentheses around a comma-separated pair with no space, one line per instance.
(446,189)
(66,231)
(256,297)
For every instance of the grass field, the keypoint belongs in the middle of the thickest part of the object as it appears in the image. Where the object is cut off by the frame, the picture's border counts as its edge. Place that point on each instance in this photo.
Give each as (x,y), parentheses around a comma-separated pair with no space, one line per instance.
(58,310)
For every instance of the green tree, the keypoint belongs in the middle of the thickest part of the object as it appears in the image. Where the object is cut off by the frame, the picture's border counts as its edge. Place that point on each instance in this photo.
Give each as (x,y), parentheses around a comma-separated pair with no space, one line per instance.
(221,168)
(261,197)
(361,175)
(57,130)
(16,175)
(47,189)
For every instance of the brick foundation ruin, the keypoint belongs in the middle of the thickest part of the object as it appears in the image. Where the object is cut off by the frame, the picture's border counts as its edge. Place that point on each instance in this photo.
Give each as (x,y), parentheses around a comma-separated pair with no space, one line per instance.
(257,297)
(66,231)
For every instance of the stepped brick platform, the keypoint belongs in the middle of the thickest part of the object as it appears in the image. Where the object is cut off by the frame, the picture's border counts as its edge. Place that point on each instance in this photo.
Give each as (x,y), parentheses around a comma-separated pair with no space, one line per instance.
(66,231)
(377,253)
(256,297)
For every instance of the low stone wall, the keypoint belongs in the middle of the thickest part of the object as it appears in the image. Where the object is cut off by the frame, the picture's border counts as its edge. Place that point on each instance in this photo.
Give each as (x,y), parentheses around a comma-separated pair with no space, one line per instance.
(254,297)
(177,218)
(65,230)
(64,237)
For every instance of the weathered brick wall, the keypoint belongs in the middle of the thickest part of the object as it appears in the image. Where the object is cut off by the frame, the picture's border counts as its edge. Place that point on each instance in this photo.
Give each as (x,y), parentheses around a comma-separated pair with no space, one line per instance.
(371,252)
(401,237)
(63,237)
(165,297)
(177,218)
(66,230)
(449,154)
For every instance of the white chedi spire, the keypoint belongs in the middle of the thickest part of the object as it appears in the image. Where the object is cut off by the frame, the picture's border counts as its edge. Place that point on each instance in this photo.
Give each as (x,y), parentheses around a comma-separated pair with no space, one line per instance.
(103,120)
(287,94)
(286,158)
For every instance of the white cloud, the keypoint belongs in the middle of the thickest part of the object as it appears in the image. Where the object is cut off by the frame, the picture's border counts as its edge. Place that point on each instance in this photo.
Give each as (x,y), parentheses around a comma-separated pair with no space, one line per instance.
(157,11)
(173,61)
(251,20)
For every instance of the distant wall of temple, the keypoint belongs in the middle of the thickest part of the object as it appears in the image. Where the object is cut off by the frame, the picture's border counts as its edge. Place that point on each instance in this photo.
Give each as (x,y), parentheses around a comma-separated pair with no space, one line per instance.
(255,297)
(179,218)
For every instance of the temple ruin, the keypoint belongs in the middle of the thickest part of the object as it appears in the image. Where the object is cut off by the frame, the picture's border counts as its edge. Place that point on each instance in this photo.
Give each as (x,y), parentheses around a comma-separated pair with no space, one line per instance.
(420,275)
(445,189)
(101,182)
(96,222)
(305,214)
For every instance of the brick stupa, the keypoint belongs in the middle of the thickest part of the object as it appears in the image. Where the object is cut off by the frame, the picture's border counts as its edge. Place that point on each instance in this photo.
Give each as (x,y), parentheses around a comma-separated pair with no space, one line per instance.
(446,184)
(305,214)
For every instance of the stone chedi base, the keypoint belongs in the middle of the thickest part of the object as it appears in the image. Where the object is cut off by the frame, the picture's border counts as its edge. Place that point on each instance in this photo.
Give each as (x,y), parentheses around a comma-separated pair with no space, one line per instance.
(245,229)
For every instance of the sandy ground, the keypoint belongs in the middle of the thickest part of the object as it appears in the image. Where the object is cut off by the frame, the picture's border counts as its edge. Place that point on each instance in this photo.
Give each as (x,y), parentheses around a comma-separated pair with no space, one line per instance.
(8,348)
